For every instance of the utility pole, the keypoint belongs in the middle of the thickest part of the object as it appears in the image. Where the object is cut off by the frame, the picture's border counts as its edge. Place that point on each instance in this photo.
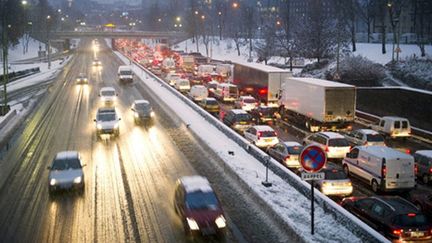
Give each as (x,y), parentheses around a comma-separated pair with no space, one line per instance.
(5,57)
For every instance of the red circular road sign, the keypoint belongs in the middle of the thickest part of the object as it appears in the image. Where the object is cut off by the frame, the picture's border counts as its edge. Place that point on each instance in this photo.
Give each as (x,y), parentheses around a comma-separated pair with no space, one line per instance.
(313,158)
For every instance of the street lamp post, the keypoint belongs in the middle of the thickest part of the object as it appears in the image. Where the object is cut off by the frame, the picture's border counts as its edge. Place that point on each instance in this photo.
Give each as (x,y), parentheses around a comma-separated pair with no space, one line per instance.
(48,18)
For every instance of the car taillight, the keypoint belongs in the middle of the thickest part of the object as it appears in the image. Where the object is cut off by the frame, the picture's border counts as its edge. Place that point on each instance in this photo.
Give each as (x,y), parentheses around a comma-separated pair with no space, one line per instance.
(259,135)
(407,151)
(365,143)
(326,149)
(430,170)
(286,157)
(384,167)
(398,232)
(411,215)
(415,169)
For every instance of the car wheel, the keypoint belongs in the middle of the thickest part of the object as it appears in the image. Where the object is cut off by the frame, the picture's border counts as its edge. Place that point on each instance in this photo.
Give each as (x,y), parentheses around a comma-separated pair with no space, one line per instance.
(346,169)
(425,179)
(374,185)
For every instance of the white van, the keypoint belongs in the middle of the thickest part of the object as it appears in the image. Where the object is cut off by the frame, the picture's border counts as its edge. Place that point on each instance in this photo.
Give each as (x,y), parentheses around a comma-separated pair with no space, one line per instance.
(182,85)
(226,92)
(384,168)
(198,92)
(125,73)
(393,126)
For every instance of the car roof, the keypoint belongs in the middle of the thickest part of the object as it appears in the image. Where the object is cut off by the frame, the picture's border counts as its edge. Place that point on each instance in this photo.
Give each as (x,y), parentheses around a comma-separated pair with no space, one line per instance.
(195,183)
(331,134)
(291,144)
(246,97)
(106,110)
(427,153)
(368,131)
(141,102)
(384,151)
(67,155)
(107,89)
(263,128)
(210,98)
(398,204)
(394,118)
(238,111)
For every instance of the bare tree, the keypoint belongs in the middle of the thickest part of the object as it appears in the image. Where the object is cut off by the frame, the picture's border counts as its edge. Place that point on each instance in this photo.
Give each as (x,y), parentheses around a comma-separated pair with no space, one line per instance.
(422,9)
(395,8)
(366,13)
(266,48)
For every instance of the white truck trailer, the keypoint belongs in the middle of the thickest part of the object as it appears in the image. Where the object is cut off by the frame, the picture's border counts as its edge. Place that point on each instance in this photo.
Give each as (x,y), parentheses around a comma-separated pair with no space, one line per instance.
(317,104)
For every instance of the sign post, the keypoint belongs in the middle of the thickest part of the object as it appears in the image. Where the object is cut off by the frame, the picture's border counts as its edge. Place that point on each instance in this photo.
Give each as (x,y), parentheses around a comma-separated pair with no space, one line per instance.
(312,159)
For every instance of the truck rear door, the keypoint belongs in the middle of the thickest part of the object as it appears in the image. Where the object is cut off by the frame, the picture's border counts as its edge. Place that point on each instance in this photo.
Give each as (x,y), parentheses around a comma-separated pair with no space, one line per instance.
(400,173)
(339,104)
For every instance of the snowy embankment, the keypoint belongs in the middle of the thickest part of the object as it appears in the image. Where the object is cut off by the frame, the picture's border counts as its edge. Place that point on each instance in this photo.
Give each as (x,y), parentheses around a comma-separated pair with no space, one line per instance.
(291,205)
(373,52)
(16,53)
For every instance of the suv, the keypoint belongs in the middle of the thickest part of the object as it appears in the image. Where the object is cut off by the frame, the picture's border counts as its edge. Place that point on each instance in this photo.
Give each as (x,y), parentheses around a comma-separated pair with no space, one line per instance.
(246,103)
(238,120)
(66,172)
(262,136)
(198,206)
(392,215)
(423,161)
(334,144)
(107,122)
(366,137)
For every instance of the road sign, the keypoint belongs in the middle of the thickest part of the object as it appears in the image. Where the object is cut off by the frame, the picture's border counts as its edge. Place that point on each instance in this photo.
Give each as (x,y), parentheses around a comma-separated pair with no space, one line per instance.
(313,158)
(312,176)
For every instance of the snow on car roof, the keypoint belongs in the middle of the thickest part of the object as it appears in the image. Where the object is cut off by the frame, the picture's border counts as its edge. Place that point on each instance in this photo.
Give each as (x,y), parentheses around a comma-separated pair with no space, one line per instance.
(332,134)
(107,89)
(106,110)
(142,102)
(368,131)
(210,98)
(394,118)
(263,128)
(292,144)
(263,67)
(321,82)
(387,152)
(196,183)
(238,111)
(67,155)
(427,153)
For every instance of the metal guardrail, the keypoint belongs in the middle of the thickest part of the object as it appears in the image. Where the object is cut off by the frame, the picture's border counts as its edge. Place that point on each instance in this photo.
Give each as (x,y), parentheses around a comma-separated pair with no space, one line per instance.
(11,114)
(21,74)
(360,229)
(108,34)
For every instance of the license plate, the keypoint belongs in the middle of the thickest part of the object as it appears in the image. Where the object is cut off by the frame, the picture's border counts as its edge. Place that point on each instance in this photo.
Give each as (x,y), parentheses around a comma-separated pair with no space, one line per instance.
(242,123)
(417,234)
(268,139)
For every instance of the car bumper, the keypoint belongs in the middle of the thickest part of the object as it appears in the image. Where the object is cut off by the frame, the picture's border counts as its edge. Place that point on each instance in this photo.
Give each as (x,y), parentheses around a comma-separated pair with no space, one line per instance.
(337,191)
(265,144)
(66,186)
(107,131)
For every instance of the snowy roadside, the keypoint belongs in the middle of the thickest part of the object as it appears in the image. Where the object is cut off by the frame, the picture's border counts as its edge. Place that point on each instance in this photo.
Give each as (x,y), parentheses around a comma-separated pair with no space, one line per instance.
(288,203)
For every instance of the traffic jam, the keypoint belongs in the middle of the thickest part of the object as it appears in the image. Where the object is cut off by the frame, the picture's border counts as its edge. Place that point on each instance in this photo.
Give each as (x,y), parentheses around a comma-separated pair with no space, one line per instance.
(377,171)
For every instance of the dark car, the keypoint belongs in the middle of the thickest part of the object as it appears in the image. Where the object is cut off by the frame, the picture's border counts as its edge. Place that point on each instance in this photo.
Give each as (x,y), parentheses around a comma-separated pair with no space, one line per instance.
(287,153)
(423,161)
(210,105)
(198,206)
(82,79)
(238,120)
(263,114)
(142,111)
(423,200)
(393,216)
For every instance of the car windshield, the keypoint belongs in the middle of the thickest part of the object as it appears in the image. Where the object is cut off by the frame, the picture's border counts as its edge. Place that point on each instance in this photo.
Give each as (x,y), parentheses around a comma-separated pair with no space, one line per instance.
(212,102)
(375,138)
(109,116)
(143,107)
(243,117)
(295,149)
(267,134)
(126,72)
(108,93)
(266,111)
(249,100)
(66,164)
(201,200)
(335,175)
(411,220)
(338,142)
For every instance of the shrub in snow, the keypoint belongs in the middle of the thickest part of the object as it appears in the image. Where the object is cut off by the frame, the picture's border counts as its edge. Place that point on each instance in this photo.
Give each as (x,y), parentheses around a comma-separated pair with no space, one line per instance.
(358,70)
(415,72)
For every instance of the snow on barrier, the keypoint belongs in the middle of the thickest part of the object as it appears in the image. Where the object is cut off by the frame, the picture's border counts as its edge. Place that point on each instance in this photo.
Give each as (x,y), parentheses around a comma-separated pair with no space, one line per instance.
(353,224)
(5,119)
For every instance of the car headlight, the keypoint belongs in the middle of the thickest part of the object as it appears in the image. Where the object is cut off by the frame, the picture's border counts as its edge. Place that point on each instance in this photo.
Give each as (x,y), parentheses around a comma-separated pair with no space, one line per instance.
(152,114)
(53,182)
(77,180)
(99,126)
(85,80)
(136,114)
(116,126)
(220,222)
(193,225)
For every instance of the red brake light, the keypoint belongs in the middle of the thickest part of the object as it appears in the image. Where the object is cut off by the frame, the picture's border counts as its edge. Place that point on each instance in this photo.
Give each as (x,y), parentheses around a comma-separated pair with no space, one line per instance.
(407,151)
(262,91)
(326,149)
(411,215)
(415,169)
(286,157)
(397,231)
(430,170)
(384,171)
(259,134)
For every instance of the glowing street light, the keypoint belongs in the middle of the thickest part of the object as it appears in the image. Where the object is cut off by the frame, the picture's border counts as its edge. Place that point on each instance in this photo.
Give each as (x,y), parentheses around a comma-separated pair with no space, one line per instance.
(24,2)
(235,5)
(178,19)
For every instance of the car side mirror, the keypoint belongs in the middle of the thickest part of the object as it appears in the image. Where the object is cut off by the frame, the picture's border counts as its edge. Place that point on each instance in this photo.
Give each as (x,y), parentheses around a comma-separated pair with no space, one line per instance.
(84,165)
(48,167)
(94,120)
(119,118)
(132,109)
